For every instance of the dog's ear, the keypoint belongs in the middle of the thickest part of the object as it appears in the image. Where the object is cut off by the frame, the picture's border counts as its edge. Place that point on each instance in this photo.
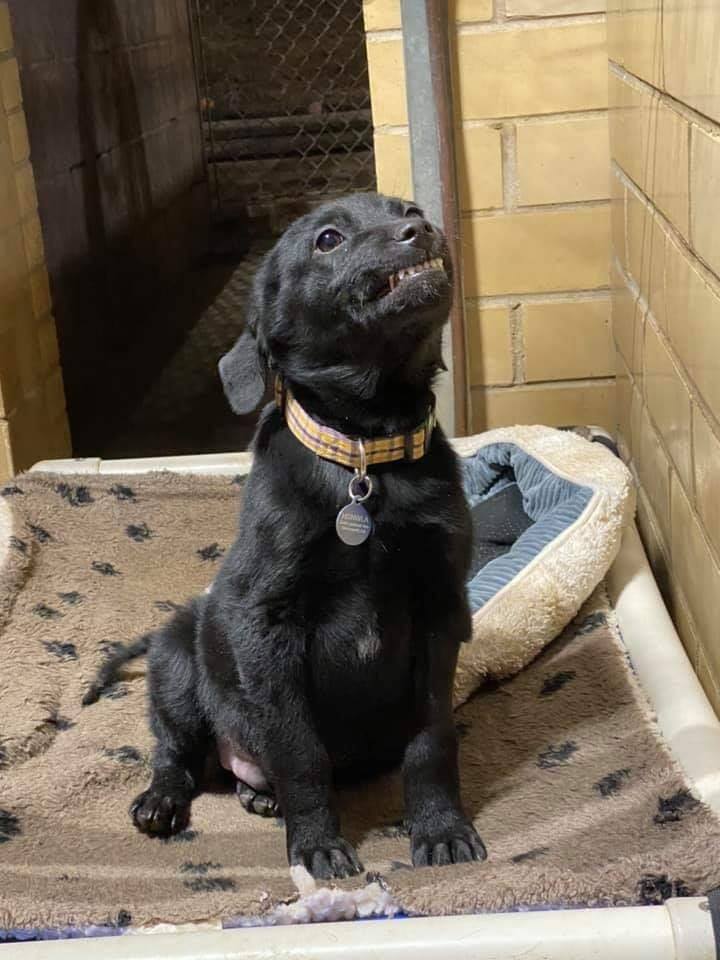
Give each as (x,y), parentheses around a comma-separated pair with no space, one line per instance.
(243,371)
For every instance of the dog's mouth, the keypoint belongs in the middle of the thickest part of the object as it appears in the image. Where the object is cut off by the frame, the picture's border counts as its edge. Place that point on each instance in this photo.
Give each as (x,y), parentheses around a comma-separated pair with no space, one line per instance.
(408,274)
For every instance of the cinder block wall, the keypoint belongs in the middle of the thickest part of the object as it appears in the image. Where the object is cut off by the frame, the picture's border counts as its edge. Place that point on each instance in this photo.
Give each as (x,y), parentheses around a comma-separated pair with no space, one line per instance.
(32,404)
(532,136)
(113,120)
(665,144)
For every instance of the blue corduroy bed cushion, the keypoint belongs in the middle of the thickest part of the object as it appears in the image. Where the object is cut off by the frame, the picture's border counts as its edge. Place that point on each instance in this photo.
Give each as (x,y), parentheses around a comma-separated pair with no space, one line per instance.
(548,503)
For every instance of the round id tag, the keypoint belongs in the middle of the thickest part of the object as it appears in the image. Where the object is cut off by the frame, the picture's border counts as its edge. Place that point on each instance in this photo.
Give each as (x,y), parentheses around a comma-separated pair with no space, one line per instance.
(354,524)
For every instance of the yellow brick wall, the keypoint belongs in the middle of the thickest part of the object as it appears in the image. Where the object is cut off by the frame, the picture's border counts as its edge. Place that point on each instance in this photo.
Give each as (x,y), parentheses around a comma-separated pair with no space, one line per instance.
(533,171)
(33,424)
(665,147)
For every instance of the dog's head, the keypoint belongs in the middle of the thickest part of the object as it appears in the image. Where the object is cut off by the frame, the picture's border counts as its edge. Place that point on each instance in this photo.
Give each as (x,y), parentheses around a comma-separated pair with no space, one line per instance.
(353,295)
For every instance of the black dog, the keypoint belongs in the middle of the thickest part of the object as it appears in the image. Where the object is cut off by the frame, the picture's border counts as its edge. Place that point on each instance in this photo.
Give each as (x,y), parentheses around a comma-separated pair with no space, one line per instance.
(311,661)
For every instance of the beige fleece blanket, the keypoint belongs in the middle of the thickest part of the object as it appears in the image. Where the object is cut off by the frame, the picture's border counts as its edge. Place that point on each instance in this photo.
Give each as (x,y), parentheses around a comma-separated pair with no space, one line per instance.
(563,770)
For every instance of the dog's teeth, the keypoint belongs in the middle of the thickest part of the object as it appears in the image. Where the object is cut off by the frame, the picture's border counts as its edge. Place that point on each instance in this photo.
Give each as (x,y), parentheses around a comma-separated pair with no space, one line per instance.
(395,279)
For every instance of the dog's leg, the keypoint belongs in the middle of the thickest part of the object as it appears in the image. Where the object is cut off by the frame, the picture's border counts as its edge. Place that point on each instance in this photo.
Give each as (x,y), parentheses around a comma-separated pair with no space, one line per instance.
(182,739)
(286,744)
(440,833)
(300,771)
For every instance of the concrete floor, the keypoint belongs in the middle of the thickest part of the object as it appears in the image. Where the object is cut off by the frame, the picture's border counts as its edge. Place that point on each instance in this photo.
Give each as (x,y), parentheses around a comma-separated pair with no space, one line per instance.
(184,410)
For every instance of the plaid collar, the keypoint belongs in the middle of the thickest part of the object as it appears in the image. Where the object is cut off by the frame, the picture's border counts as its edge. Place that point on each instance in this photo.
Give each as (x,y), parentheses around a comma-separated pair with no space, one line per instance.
(348,451)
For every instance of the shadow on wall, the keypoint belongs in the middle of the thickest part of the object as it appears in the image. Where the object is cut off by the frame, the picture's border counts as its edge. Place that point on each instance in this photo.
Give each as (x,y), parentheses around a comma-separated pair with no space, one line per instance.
(111,103)
(134,225)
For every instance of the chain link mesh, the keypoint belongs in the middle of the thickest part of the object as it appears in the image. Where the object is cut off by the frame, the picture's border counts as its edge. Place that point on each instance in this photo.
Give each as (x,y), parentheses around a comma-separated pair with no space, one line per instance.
(285,102)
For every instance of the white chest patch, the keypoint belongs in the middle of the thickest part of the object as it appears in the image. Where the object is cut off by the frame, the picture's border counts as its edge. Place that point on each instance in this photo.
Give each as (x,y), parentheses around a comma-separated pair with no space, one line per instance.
(368,644)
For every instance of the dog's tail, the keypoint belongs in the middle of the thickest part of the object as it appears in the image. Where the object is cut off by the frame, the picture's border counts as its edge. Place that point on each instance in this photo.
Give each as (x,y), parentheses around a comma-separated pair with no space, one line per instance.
(121,654)
(182,624)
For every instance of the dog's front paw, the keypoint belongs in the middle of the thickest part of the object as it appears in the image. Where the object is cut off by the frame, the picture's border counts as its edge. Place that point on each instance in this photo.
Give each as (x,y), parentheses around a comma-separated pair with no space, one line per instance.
(158,814)
(325,858)
(450,840)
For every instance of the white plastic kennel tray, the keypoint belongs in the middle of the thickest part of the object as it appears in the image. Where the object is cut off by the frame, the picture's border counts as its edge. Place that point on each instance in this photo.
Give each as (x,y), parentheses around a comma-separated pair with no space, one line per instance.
(679,930)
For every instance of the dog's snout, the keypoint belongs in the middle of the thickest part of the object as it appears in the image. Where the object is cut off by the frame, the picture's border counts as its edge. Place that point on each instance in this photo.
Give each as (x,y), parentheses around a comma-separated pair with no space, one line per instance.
(409,230)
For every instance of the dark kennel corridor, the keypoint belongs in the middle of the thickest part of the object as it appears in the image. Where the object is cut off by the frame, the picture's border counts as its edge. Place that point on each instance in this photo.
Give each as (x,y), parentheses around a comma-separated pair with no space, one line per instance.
(172,140)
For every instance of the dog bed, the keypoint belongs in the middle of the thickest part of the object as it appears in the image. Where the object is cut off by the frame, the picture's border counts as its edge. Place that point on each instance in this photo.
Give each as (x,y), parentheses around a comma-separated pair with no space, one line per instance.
(549,509)
(548,758)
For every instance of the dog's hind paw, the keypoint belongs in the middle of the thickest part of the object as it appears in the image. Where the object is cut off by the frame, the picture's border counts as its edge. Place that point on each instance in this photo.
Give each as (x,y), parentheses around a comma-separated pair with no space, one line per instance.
(158,814)
(260,802)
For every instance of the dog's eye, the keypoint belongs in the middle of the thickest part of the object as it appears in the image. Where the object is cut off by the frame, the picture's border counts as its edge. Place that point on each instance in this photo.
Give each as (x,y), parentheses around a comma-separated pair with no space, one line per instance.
(328,240)
(414,212)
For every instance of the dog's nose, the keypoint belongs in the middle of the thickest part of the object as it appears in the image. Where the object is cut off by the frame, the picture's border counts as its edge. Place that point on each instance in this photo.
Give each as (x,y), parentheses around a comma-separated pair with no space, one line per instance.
(409,230)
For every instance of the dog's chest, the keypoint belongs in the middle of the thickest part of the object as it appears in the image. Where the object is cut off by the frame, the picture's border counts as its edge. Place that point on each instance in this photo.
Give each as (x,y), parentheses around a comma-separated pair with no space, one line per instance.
(363,605)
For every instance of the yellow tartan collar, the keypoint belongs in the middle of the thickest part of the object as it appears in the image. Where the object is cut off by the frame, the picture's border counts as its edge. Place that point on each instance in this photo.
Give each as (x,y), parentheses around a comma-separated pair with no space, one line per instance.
(347,451)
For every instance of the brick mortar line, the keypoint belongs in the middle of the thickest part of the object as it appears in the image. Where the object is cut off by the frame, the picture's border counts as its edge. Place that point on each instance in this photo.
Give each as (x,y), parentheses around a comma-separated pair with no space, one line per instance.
(714,555)
(706,272)
(517,342)
(556,16)
(529,119)
(80,164)
(528,24)
(499,22)
(697,401)
(632,464)
(674,583)
(677,106)
(566,207)
(170,122)
(162,40)
(538,385)
(509,162)
(484,212)
(665,549)
(396,129)
(691,147)
(560,296)
(384,35)
(689,387)
(496,123)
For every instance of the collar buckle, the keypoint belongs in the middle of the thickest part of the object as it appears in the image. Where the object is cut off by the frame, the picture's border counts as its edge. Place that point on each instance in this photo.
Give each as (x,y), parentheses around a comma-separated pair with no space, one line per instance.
(363,459)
